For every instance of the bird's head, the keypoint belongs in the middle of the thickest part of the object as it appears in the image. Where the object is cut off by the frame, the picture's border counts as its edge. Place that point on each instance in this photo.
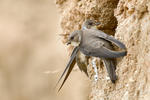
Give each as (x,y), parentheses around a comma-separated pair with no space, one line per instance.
(88,24)
(75,38)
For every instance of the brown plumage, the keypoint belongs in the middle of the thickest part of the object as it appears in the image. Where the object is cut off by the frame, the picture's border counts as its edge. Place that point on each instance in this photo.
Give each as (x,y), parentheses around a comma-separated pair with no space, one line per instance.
(92,42)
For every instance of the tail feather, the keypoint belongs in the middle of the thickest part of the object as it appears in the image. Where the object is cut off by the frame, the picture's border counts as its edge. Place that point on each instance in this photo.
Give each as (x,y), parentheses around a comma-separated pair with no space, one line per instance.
(110,65)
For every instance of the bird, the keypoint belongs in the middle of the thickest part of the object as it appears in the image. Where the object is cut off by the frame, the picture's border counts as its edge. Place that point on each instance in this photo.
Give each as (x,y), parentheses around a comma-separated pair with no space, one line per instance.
(90,24)
(96,43)
(88,42)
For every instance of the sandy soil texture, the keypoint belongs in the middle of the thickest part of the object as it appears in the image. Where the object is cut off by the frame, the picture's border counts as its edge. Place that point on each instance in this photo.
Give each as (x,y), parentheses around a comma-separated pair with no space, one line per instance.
(129,21)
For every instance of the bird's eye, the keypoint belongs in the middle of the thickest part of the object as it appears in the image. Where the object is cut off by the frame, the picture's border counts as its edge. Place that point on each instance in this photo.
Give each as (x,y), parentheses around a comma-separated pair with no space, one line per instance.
(90,23)
(72,38)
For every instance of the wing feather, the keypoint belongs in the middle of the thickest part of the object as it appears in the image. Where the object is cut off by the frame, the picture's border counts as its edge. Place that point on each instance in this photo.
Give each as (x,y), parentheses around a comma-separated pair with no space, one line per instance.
(69,66)
(101,34)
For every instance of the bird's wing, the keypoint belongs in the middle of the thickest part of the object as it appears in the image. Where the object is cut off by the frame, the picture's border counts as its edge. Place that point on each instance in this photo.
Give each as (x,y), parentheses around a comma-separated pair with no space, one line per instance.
(82,62)
(110,65)
(68,73)
(69,66)
(101,34)
(116,42)
(104,52)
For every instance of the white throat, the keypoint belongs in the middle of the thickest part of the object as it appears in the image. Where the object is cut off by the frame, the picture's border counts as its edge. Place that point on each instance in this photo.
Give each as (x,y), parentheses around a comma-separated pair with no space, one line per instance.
(75,43)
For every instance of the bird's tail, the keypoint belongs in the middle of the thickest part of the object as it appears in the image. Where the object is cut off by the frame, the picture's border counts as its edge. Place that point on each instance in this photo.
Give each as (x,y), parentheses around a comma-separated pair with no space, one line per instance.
(110,65)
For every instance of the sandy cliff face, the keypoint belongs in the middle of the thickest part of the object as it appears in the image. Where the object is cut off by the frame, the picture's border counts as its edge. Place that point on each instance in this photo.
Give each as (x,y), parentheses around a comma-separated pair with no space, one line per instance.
(133,29)
(74,12)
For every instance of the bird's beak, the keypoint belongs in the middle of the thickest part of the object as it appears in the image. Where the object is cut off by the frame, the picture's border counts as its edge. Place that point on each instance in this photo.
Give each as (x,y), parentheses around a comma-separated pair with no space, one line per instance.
(97,23)
(69,42)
